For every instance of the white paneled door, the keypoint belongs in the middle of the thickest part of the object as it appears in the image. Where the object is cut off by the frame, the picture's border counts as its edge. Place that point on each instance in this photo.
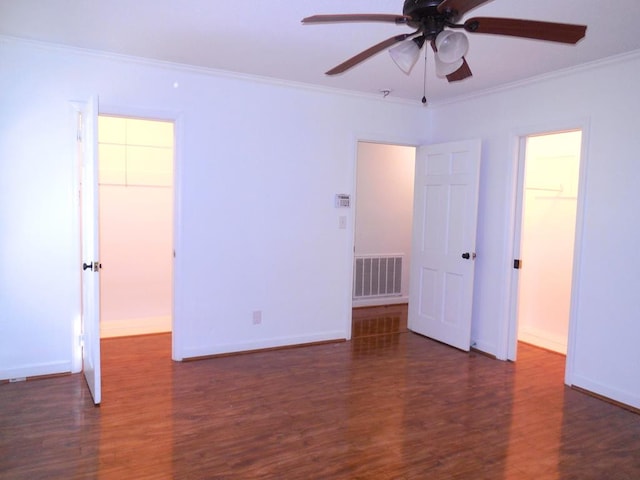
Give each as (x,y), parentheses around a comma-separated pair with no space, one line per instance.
(444,241)
(88,129)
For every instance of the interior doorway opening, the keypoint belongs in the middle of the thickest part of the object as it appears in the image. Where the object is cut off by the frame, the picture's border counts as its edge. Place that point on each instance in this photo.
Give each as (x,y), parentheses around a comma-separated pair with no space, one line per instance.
(382,238)
(545,238)
(135,184)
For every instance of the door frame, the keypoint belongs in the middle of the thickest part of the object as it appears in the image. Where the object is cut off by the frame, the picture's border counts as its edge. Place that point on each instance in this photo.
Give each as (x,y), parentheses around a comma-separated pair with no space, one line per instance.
(177,119)
(509,332)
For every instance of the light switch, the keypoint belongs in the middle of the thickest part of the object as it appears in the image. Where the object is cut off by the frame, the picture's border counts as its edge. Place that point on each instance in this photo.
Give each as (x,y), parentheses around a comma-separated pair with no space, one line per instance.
(342,222)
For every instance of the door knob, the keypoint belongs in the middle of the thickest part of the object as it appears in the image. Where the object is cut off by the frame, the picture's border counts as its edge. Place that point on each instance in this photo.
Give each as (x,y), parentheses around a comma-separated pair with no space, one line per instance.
(466,255)
(87,265)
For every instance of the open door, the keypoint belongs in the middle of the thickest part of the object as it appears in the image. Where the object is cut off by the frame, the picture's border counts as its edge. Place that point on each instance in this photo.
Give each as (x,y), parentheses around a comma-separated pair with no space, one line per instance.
(90,249)
(443,243)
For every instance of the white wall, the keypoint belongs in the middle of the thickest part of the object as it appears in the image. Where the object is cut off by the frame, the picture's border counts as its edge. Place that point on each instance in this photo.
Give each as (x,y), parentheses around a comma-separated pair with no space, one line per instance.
(605,98)
(384,206)
(136,242)
(258,166)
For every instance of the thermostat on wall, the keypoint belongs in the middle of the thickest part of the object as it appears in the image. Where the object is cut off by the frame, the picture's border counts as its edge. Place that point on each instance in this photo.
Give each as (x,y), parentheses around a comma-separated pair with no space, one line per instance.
(343,200)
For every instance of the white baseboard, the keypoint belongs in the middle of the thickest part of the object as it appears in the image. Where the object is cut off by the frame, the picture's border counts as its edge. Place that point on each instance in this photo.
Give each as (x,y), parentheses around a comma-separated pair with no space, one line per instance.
(35,370)
(207,350)
(484,347)
(543,339)
(612,393)
(134,326)
(379,301)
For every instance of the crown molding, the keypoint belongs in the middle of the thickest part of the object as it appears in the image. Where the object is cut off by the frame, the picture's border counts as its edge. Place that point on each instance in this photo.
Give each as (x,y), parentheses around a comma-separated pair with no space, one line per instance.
(557,74)
(199,70)
(245,77)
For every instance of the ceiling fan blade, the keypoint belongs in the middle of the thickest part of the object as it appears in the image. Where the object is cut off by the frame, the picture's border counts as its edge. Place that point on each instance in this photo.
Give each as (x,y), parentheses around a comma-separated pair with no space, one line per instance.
(357,17)
(463,72)
(553,32)
(459,6)
(369,52)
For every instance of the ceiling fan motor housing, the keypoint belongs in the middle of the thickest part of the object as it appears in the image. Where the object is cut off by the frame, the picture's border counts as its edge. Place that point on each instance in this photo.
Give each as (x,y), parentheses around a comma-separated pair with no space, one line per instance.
(426,17)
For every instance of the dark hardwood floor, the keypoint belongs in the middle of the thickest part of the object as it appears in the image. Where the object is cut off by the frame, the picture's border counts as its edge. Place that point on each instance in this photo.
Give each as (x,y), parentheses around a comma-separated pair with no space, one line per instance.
(390,406)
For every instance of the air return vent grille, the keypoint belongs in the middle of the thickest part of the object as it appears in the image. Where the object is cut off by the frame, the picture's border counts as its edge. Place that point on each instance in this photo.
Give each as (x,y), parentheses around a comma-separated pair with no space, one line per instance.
(377,276)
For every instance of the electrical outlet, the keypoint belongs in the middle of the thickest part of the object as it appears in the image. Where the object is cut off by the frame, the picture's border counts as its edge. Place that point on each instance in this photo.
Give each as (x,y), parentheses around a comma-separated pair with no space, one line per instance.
(257,317)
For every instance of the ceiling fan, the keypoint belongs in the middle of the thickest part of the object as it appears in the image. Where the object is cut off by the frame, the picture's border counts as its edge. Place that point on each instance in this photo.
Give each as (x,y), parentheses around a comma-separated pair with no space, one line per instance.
(435,21)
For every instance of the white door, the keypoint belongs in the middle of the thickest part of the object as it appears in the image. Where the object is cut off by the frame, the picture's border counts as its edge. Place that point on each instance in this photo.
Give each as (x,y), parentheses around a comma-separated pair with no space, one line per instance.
(90,261)
(444,240)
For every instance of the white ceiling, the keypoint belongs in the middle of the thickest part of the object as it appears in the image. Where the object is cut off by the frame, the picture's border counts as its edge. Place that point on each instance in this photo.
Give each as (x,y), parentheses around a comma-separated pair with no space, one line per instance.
(266,38)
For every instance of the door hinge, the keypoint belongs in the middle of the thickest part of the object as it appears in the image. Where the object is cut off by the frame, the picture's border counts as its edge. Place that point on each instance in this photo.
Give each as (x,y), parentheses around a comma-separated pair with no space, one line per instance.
(517,264)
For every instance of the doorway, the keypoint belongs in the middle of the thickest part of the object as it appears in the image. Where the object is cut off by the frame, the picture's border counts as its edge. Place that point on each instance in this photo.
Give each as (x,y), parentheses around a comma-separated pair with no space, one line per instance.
(549,168)
(135,186)
(382,237)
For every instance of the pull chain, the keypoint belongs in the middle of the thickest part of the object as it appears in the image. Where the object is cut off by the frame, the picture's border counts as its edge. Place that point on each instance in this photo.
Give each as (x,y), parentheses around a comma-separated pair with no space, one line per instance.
(424,86)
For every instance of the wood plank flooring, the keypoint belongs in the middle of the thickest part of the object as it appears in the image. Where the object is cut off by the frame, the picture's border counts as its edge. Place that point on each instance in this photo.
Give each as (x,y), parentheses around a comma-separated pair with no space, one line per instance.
(382,320)
(395,406)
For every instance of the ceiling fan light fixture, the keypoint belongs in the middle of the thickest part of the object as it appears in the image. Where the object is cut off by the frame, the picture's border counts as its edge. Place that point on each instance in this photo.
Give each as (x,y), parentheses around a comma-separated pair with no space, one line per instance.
(451,46)
(406,54)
